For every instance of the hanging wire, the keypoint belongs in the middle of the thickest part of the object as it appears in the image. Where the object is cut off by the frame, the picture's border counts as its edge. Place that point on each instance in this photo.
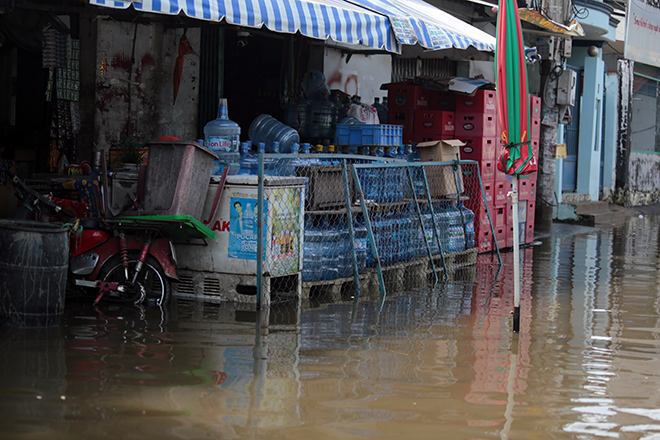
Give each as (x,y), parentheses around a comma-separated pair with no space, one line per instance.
(579,13)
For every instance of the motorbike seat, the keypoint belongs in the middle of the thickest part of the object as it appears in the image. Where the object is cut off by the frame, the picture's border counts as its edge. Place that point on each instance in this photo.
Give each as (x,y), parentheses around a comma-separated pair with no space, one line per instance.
(93,223)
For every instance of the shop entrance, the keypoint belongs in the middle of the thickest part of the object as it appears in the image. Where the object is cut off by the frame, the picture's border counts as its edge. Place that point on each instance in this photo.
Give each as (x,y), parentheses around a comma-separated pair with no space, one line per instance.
(569,180)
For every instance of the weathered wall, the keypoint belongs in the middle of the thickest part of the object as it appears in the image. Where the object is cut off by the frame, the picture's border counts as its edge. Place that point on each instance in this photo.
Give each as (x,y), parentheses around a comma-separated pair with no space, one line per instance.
(362,75)
(134,83)
(643,186)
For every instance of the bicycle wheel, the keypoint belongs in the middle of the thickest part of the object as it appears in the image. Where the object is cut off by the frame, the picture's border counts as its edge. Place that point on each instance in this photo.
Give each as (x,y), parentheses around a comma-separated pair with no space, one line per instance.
(157,287)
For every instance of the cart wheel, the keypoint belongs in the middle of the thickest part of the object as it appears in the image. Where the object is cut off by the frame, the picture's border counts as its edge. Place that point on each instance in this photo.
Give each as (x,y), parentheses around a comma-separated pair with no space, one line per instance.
(157,287)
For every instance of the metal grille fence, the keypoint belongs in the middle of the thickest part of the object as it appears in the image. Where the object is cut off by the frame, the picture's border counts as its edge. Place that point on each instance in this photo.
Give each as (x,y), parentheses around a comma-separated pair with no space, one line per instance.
(368,225)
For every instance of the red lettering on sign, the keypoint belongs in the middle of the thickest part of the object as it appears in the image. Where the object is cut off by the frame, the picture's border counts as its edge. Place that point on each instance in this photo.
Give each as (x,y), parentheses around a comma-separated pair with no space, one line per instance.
(220,226)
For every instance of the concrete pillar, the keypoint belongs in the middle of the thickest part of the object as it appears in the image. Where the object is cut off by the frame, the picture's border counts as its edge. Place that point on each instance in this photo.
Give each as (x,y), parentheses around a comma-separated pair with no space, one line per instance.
(591,118)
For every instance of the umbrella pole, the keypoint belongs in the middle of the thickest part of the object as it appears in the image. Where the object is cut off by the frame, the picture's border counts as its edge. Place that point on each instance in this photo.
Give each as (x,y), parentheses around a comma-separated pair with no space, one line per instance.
(516,256)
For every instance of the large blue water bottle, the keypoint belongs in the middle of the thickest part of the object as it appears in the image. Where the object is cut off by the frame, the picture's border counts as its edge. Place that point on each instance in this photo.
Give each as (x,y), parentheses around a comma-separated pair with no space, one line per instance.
(248,161)
(222,136)
(264,128)
(272,166)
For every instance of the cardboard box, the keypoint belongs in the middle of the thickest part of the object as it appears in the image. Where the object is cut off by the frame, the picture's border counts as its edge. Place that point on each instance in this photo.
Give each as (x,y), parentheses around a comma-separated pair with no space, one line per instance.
(419,138)
(442,180)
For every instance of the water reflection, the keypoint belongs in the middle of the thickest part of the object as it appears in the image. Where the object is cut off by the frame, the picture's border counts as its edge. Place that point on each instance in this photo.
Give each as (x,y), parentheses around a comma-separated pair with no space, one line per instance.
(585,364)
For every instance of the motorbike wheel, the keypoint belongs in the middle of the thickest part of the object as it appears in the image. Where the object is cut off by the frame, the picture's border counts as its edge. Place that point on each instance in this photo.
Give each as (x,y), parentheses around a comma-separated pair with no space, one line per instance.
(158,288)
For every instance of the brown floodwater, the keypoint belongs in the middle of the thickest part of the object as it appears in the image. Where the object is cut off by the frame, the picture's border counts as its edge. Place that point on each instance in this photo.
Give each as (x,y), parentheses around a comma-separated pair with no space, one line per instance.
(433,363)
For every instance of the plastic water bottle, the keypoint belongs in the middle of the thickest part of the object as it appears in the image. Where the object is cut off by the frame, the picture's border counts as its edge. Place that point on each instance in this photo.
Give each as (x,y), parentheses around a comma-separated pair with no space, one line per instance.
(247,161)
(314,85)
(222,136)
(264,128)
(321,120)
(312,250)
(272,166)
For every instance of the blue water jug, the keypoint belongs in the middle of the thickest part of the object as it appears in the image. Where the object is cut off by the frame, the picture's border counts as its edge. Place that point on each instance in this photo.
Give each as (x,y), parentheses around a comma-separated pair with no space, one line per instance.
(264,128)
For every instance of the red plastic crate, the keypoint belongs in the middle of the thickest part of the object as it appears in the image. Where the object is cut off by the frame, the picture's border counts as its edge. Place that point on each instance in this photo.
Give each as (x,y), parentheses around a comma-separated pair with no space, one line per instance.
(483,101)
(500,176)
(499,215)
(535,127)
(524,188)
(531,211)
(407,120)
(479,148)
(534,106)
(500,236)
(476,124)
(408,97)
(434,122)
(535,147)
(529,233)
(445,101)
(484,241)
(476,201)
(501,190)
(527,188)
(487,169)
(417,138)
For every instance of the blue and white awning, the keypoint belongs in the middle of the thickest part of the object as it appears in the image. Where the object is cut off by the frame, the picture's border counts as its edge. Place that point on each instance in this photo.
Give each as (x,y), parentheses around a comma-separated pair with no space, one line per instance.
(322,19)
(415,21)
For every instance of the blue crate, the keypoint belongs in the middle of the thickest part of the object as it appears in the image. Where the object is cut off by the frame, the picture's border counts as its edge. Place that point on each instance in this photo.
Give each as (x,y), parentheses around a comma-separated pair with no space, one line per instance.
(381,134)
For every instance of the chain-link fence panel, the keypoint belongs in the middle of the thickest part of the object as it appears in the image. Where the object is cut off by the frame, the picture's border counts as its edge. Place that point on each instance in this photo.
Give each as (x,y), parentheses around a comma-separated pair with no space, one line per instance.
(366,225)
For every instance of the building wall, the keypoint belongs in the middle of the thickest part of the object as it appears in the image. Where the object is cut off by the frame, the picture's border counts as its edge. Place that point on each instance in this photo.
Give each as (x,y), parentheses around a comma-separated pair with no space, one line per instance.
(362,75)
(643,172)
(134,83)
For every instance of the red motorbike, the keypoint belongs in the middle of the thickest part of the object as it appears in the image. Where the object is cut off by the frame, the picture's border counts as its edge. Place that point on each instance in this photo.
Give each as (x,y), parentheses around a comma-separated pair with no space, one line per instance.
(128,259)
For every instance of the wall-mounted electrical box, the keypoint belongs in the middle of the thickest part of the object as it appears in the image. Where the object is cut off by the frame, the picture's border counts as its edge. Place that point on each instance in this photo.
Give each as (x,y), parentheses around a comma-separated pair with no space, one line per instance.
(546,47)
(567,47)
(566,85)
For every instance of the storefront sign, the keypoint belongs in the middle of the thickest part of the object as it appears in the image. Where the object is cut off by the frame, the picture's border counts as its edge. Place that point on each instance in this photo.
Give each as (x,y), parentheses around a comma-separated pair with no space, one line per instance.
(643,32)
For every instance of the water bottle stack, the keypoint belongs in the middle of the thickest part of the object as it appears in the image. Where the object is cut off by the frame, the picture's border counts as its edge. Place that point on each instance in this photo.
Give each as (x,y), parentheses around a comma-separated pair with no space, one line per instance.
(222,135)
(327,253)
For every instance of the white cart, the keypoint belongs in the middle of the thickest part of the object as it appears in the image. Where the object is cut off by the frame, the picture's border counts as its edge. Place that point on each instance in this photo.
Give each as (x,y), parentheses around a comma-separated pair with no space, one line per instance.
(226,268)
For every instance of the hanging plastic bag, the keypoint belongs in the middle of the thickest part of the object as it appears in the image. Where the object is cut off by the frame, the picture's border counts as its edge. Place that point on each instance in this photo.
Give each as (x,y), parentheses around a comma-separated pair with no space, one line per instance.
(363,113)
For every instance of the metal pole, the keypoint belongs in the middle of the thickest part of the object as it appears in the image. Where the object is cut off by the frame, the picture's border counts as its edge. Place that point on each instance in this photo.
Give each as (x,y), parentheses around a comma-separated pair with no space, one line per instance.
(421,221)
(260,228)
(370,234)
(516,256)
(349,219)
(490,218)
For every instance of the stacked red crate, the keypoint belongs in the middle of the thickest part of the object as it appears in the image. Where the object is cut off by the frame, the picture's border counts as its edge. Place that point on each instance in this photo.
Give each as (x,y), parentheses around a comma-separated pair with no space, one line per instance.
(527,184)
(526,187)
(404,100)
(476,125)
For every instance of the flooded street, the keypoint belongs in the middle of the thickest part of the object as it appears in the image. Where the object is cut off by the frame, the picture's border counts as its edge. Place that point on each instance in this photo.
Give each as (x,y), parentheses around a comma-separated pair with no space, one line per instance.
(427,364)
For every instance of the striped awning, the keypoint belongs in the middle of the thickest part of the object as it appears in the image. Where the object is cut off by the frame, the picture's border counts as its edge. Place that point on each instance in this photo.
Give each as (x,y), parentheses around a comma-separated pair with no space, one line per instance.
(415,21)
(338,20)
